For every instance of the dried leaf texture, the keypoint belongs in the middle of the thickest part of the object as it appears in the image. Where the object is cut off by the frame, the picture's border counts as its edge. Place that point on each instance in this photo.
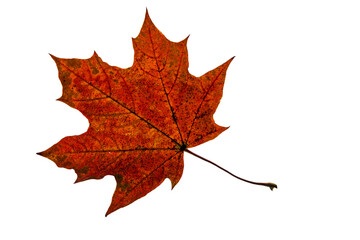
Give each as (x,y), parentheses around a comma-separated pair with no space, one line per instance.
(141,118)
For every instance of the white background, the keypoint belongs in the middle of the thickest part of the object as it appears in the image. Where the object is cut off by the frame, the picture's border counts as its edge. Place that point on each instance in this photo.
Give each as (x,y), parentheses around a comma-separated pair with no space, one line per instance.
(291,97)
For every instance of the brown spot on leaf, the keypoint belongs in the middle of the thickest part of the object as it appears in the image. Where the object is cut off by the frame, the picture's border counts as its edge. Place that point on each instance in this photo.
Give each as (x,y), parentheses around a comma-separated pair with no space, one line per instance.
(73,63)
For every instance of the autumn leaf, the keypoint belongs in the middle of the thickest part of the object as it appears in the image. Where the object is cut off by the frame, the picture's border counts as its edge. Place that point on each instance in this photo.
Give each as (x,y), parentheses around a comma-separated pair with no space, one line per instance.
(142,119)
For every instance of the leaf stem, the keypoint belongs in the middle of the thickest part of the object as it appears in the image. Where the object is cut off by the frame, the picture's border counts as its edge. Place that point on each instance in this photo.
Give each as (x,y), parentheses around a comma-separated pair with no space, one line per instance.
(269,184)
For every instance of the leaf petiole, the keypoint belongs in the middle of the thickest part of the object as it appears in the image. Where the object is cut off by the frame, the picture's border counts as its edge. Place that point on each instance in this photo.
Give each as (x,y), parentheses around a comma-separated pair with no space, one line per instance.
(269,184)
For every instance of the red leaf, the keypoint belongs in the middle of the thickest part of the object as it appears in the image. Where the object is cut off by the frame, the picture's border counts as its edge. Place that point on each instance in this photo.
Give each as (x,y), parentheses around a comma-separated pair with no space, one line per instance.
(141,118)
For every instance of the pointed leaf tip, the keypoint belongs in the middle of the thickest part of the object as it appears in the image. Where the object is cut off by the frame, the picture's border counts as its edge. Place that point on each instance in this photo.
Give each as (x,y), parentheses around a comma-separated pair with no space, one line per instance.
(230,60)
(173,184)
(43,154)
(52,56)
(108,212)
(147,15)
(185,39)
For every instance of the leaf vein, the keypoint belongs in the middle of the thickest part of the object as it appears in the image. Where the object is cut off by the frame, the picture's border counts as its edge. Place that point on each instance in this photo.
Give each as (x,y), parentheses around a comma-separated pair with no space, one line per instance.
(203,99)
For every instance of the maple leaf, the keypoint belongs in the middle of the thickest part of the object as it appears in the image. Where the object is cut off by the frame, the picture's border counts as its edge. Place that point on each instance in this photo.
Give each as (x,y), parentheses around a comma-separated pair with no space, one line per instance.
(142,118)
